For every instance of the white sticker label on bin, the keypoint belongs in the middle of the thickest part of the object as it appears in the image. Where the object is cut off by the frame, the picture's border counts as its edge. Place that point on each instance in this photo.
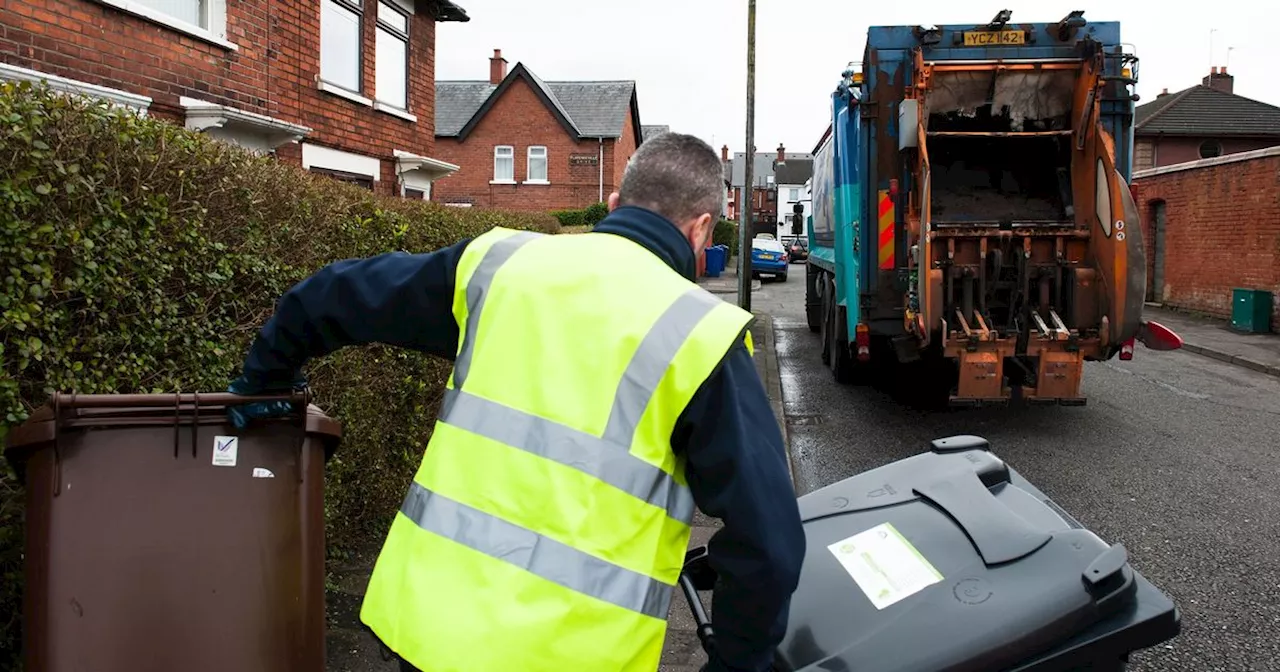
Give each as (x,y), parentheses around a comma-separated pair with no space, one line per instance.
(224,450)
(260,472)
(885,565)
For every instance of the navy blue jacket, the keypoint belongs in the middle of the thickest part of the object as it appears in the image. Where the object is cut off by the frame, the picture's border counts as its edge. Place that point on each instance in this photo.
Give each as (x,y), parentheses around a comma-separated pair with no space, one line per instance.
(736,464)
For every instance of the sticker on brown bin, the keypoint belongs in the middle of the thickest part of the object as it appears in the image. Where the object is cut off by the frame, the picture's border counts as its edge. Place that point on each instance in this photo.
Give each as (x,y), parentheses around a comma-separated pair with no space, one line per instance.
(224,451)
(259,472)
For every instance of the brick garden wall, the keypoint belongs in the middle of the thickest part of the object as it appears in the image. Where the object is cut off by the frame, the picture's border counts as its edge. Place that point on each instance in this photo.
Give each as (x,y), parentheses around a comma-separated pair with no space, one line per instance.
(1222,229)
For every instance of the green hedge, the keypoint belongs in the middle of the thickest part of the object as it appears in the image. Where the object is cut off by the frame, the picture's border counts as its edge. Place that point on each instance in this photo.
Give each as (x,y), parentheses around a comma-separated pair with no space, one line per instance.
(726,233)
(140,257)
(587,217)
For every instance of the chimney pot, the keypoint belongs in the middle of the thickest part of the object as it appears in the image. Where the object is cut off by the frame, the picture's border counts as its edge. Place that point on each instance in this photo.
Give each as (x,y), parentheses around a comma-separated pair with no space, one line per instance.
(782,153)
(724,154)
(1214,70)
(497,68)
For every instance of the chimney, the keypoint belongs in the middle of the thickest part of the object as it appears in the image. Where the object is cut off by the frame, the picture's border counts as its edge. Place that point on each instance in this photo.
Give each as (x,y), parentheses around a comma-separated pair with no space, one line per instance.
(1219,80)
(724,154)
(782,153)
(497,68)
(1163,93)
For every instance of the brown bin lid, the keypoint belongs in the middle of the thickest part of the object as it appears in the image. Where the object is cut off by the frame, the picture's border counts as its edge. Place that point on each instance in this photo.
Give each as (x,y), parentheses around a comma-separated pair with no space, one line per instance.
(105,410)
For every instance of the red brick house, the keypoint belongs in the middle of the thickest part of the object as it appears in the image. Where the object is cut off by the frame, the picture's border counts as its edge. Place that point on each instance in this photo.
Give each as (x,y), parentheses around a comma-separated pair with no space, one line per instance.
(525,144)
(342,87)
(1205,121)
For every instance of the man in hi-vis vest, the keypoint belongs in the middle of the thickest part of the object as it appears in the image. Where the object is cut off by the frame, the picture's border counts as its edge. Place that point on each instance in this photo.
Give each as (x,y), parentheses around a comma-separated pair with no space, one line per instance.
(597,395)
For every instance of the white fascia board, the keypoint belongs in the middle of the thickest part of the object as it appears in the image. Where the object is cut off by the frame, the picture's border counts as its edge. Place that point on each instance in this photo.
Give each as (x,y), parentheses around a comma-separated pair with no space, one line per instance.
(118,97)
(203,115)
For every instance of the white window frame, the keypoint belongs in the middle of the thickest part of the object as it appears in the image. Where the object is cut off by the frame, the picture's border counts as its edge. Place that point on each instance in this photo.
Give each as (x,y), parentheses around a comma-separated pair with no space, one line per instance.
(383,27)
(546,165)
(358,8)
(318,156)
(213,17)
(510,156)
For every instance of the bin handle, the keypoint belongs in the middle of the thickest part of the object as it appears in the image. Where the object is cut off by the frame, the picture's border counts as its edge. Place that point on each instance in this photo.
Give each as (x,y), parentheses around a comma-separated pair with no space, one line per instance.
(73,401)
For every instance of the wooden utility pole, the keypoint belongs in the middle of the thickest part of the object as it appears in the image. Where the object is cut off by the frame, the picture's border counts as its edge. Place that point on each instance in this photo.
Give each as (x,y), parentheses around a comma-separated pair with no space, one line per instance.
(748,183)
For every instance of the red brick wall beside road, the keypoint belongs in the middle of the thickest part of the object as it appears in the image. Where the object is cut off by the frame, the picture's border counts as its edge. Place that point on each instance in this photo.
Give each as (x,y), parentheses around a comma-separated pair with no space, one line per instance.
(274,71)
(1222,231)
(520,119)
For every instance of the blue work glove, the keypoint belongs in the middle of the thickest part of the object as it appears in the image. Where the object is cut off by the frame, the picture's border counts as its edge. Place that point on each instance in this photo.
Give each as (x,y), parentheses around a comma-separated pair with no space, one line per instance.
(242,414)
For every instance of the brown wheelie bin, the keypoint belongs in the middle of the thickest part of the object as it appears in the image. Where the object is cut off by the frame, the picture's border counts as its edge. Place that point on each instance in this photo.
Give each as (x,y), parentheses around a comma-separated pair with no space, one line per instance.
(161,538)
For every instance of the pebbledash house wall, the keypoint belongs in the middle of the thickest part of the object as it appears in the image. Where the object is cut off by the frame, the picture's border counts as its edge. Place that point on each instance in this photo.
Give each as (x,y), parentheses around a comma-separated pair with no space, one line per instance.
(520,120)
(1222,229)
(267,63)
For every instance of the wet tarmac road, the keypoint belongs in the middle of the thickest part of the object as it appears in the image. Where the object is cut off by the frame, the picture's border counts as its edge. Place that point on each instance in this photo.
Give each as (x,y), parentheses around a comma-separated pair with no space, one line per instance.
(1177,456)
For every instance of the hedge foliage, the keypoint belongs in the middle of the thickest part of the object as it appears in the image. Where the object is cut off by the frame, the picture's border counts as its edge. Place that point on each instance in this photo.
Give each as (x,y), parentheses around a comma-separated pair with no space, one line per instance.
(726,233)
(136,256)
(587,217)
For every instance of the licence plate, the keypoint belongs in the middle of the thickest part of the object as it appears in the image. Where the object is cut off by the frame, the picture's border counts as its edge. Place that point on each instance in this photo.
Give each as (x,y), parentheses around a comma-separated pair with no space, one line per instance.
(983,38)
(767,257)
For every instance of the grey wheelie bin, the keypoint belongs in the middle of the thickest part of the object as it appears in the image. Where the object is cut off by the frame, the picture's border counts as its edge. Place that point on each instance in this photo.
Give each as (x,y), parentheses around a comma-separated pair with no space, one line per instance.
(951,561)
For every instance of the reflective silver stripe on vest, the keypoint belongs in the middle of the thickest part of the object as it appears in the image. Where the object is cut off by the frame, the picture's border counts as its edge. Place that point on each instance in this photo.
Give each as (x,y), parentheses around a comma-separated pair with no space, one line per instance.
(545,557)
(592,455)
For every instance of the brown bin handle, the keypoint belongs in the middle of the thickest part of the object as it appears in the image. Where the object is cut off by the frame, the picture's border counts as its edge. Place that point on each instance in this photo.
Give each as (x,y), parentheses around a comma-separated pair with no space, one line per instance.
(144,400)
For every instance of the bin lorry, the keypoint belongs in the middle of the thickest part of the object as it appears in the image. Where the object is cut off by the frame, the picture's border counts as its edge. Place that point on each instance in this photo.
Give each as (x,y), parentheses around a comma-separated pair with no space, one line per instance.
(971,207)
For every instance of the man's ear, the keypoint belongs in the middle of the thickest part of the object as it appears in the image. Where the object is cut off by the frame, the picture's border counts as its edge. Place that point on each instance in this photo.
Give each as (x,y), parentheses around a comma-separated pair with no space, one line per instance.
(613,201)
(706,226)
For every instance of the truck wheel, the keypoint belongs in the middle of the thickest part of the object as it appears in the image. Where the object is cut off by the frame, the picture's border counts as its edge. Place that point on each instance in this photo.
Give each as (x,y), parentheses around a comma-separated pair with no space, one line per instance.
(839,359)
(812,299)
(825,322)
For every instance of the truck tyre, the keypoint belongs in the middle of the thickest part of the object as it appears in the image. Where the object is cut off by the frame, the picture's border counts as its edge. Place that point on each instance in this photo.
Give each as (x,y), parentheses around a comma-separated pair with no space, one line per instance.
(825,321)
(839,360)
(812,299)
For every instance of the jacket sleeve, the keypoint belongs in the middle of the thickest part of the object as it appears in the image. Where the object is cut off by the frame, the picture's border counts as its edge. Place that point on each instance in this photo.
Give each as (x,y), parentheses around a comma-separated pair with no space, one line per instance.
(737,472)
(396,298)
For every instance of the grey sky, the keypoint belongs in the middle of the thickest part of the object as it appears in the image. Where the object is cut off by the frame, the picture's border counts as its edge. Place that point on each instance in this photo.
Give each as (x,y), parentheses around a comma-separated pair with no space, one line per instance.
(688,57)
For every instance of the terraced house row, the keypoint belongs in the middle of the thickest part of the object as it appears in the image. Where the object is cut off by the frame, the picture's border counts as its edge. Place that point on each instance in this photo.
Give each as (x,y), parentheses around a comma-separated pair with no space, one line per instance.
(346,88)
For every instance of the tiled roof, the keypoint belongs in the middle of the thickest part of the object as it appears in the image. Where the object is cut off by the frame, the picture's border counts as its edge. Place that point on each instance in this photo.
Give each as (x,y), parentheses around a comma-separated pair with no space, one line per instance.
(650,131)
(764,166)
(457,102)
(1202,111)
(589,109)
(794,171)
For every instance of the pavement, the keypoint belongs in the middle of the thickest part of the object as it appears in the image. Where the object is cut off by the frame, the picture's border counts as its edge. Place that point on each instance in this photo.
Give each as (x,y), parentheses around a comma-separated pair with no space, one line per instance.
(1174,456)
(727,281)
(1213,337)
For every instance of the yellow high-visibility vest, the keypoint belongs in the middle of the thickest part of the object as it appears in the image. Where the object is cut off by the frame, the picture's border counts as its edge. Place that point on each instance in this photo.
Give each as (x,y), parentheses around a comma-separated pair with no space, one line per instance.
(547,524)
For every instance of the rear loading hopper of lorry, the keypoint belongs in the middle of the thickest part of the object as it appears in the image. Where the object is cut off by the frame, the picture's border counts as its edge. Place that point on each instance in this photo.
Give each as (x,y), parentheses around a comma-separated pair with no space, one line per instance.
(994,225)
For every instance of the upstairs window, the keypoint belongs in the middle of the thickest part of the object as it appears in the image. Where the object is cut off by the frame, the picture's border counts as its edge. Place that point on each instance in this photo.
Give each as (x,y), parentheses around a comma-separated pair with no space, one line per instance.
(504,163)
(392,56)
(193,12)
(340,61)
(537,164)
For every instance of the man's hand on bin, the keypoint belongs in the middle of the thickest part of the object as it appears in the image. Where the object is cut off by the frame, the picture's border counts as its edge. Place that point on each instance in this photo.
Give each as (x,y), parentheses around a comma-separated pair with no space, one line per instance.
(242,414)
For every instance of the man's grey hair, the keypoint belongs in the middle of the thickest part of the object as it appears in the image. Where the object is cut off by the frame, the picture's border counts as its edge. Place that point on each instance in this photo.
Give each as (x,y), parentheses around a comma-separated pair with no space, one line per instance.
(677,176)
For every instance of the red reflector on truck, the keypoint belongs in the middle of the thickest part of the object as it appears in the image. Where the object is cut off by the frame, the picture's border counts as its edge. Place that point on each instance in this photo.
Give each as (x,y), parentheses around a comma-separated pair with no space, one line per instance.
(863,340)
(1126,350)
